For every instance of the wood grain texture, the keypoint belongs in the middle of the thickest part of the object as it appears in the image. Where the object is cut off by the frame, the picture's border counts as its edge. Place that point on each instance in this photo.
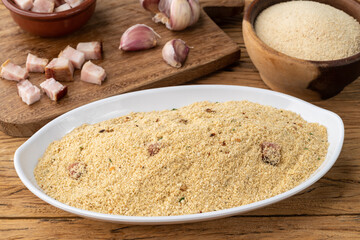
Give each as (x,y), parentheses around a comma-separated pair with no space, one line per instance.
(333,227)
(222,3)
(126,71)
(330,209)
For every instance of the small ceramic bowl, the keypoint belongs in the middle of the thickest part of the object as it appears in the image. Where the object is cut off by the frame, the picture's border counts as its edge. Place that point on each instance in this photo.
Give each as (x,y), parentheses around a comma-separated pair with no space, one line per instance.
(310,80)
(52,24)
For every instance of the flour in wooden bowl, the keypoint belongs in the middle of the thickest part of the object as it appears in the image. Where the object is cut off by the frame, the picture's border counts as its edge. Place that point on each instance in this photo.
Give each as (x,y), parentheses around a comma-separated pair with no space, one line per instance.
(309,30)
(199,158)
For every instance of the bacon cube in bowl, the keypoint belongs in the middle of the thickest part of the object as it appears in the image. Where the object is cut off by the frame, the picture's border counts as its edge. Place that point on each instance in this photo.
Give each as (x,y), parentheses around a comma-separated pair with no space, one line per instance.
(58,2)
(24,4)
(62,7)
(43,6)
(74,3)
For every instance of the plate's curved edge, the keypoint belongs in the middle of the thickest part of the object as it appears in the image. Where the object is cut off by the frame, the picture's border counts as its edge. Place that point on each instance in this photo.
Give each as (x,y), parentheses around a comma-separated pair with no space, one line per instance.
(180,218)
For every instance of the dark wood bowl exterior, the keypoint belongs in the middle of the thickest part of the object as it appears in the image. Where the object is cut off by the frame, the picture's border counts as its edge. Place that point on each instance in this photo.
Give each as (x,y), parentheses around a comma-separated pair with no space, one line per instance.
(310,80)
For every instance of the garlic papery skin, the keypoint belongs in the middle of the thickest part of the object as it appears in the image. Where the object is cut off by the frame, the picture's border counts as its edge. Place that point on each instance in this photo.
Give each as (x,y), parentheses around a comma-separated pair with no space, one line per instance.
(178,14)
(150,5)
(162,18)
(138,37)
(175,52)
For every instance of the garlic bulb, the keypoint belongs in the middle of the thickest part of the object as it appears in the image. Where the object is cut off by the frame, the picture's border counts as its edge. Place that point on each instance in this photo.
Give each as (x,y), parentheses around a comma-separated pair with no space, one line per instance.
(175,52)
(175,14)
(138,37)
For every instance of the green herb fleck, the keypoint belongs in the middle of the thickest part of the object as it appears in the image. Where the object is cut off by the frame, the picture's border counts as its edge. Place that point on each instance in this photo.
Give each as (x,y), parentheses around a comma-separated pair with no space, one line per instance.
(318,158)
(108,190)
(110,160)
(81,148)
(160,138)
(174,109)
(181,199)
(306,148)
(311,133)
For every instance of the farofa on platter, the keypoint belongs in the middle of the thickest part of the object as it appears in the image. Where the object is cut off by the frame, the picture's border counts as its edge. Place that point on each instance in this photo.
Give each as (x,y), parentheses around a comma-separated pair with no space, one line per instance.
(199,158)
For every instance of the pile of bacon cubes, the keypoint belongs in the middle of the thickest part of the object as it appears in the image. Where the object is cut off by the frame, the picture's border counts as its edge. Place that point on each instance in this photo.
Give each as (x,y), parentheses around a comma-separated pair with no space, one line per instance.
(59,69)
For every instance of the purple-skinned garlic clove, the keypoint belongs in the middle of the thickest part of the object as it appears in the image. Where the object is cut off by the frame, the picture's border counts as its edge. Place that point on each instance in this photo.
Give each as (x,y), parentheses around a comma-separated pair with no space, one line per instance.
(195,11)
(150,5)
(138,37)
(175,52)
(164,7)
(178,14)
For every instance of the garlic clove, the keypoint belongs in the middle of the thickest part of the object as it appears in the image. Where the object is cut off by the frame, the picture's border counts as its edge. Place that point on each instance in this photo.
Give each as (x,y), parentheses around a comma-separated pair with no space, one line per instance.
(195,11)
(138,37)
(150,5)
(180,15)
(164,7)
(175,52)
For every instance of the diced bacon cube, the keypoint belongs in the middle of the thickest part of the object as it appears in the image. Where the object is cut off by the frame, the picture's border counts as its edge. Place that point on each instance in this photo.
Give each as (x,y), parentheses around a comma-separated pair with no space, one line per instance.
(74,3)
(76,57)
(35,64)
(92,73)
(28,92)
(61,69)
(13,72)
(154,149)
(76,170)
(92,50)
(53,89)
(58,2)
(63,7)
(43,6)
(270,153)
(24,4)
(23,85)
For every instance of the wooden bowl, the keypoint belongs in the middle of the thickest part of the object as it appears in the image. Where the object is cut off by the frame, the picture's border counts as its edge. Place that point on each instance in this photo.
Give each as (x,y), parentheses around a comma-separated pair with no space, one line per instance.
(52,24)
(310,80)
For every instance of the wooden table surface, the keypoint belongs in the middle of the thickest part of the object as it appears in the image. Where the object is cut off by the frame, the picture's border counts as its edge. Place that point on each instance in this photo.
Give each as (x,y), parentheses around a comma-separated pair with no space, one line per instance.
(330,209)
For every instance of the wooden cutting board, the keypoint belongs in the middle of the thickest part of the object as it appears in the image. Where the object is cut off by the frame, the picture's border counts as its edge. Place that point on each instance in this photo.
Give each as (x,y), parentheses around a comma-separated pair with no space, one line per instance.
(126,71)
